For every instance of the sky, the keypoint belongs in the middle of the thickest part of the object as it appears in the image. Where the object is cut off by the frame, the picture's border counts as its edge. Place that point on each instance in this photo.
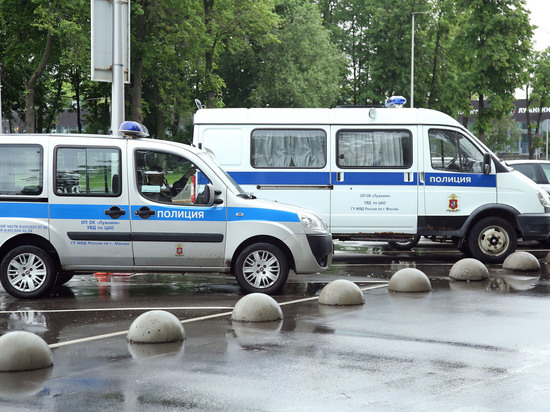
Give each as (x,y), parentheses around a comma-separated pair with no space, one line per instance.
(540,16)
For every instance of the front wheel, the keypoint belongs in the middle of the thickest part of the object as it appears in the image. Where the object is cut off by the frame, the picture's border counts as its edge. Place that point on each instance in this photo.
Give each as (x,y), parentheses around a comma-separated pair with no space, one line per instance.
(27,272)
(492,239)
(262,267)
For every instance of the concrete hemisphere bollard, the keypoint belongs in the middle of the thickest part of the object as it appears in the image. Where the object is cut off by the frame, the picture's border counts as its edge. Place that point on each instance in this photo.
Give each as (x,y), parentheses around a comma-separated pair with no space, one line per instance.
(24,351)
(341,292)
(409,280)
(469,269)
(256,307)
(156,326)
(521,261)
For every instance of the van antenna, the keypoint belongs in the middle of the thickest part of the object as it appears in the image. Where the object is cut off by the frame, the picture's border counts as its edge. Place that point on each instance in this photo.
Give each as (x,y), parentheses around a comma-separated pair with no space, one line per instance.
(199,104)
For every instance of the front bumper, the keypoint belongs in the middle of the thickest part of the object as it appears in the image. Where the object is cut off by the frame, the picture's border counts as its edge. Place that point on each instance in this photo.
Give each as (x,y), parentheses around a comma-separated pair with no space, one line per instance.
(534,226)
(322,248)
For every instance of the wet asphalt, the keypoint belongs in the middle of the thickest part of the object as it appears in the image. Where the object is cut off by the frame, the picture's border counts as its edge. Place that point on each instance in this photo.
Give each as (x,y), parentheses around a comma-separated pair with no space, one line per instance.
(464,346)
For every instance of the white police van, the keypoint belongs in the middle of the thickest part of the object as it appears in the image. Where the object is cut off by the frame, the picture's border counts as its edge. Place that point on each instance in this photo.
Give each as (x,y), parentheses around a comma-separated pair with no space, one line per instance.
(380,173)
(83,203)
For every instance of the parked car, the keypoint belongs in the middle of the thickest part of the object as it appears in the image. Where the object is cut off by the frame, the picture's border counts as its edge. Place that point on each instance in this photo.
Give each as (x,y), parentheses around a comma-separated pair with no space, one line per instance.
(536,170)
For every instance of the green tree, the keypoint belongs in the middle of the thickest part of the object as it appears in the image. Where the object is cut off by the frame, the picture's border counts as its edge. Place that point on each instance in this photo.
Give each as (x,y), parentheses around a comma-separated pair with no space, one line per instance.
(504,134)
(233,26)
(165,54)
(492,39)
(439,79)
(303,69)
(35,36)
(541,83)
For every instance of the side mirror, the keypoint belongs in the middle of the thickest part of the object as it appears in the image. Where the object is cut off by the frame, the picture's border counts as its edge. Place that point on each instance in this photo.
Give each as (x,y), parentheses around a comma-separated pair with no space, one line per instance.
(487,163)
(208,196)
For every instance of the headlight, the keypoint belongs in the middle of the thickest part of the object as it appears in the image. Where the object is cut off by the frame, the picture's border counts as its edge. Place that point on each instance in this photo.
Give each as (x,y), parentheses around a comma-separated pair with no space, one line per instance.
(544,199)
(312,221)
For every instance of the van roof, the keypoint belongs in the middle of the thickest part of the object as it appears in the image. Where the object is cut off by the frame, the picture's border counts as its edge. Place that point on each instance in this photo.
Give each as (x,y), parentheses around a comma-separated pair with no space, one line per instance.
(307,116)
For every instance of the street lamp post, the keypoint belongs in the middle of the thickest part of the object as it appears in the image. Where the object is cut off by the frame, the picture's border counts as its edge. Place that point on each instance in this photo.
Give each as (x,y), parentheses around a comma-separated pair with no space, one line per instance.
(412,55)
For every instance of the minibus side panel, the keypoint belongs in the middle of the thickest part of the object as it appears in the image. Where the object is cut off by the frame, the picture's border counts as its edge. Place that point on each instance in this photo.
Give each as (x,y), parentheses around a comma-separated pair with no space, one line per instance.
(285,163)
(453,184)
(375,181)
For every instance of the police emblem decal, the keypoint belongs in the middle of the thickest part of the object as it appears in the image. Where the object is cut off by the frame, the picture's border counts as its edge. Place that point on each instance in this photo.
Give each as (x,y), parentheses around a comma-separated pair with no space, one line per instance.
(453,203)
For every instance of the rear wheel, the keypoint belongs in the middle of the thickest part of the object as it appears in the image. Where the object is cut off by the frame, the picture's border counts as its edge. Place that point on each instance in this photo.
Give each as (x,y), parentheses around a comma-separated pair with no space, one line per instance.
(407,244)
(262,267)
(27,272)
(492,239)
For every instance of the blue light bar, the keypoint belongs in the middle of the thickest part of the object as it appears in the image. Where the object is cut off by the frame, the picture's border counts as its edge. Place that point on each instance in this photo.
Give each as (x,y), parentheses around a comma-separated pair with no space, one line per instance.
(396,101)
(134,129)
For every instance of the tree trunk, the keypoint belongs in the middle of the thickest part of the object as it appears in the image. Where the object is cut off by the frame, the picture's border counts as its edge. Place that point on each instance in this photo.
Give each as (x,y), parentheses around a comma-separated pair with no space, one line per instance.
(31,84)
(209,54)
(431,95)
(161,123)
(480,113)
(75,78)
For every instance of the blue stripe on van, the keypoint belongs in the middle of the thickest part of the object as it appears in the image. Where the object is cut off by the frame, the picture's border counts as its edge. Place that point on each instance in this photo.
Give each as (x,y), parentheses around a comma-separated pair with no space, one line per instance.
(374,178)
(97,212)
(179,213)
(81,211)
(356,178)
(461,179)
(271,215)
(281,178)
(24,210)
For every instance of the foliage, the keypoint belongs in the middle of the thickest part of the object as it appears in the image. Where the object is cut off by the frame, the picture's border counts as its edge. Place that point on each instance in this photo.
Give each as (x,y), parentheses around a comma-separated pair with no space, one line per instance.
(491,41)
(504,135)
(293,53)
(301,70)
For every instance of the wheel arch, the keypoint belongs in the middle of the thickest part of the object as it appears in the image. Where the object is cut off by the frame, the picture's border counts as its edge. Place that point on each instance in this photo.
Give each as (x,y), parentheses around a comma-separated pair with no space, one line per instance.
(263,239)
(30,240)
(503,211)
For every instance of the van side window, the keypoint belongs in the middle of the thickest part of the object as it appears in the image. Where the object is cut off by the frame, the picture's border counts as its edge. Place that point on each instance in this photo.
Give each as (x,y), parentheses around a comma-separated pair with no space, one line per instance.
(286,148)
(87,171)
(453,152)
(374,148)
(168,178)
(21,169)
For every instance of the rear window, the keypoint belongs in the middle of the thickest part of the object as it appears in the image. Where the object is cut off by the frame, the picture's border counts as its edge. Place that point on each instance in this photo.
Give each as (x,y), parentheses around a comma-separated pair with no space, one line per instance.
(288,148)
(374,148)
(86,171)
(21,168)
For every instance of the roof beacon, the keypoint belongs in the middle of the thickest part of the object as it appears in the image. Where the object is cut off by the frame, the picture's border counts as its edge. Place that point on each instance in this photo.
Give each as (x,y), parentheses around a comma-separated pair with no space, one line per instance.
(396,101)
(133,129)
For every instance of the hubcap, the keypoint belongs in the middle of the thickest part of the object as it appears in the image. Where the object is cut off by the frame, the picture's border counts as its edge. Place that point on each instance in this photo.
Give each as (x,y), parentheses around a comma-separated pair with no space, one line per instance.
(261,269)
(27,272)
(494,241)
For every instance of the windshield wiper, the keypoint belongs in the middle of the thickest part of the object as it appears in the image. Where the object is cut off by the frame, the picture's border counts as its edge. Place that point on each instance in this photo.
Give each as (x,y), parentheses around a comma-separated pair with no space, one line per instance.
(246,196)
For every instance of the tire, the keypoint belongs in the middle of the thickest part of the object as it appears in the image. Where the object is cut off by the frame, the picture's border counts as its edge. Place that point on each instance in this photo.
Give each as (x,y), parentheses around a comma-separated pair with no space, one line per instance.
(27,272)
(492,239)
(404,244)
(262,267)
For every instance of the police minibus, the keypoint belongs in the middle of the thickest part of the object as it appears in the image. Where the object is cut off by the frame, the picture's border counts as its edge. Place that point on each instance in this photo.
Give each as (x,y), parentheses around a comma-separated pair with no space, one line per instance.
(84,203)
(388,173)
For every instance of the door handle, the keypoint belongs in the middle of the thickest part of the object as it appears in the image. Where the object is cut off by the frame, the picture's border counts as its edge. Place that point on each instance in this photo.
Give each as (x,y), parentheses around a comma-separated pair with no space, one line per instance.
(144,212)
(115,212)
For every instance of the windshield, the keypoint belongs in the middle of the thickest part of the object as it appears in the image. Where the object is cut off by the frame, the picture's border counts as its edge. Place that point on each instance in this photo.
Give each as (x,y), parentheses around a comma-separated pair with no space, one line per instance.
(210,158)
